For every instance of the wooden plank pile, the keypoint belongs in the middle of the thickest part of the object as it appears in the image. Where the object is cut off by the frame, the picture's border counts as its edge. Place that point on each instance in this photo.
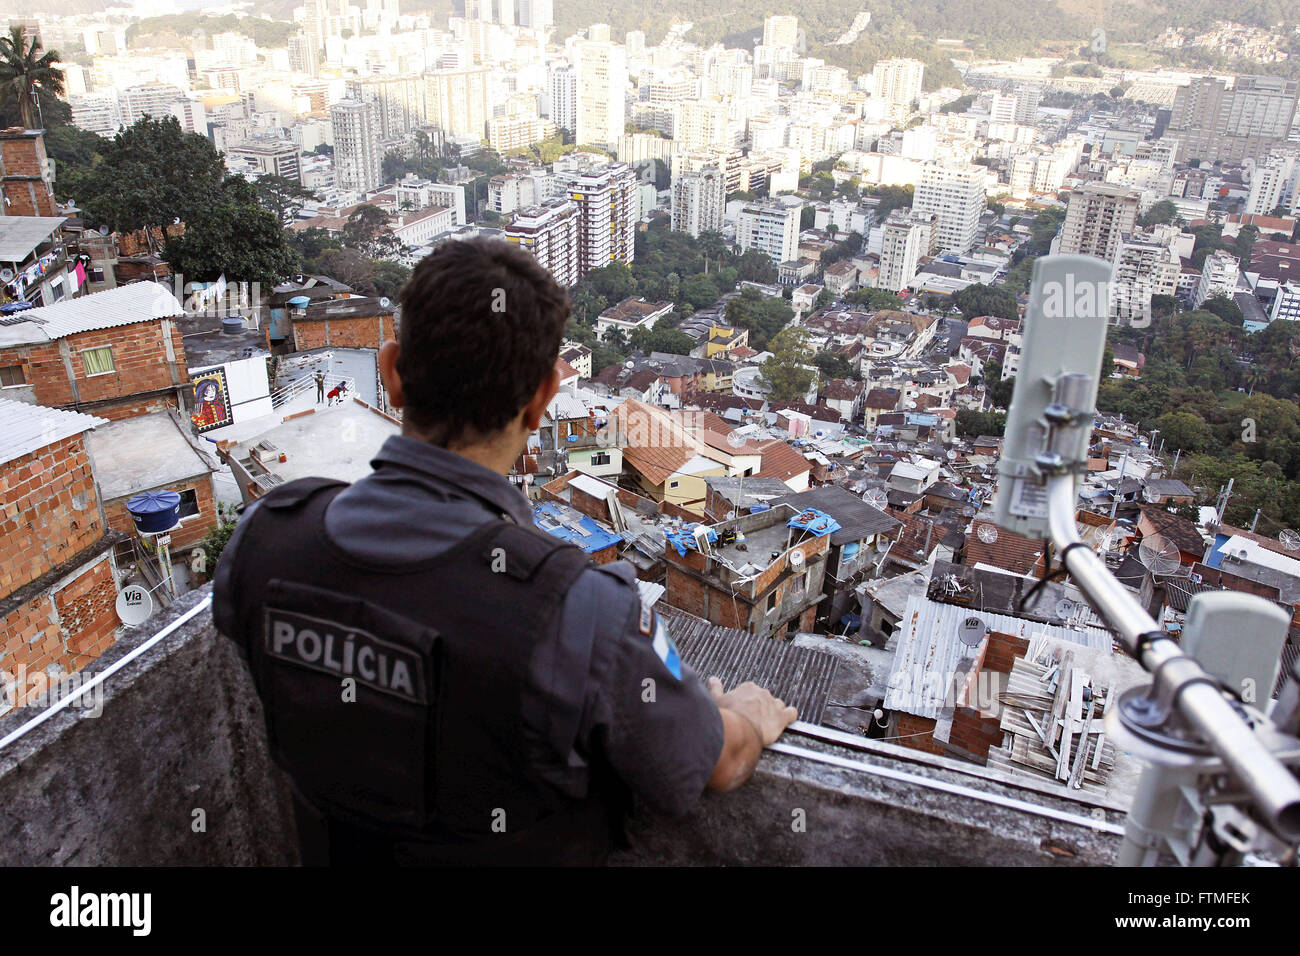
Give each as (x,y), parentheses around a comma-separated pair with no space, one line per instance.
(1052,714)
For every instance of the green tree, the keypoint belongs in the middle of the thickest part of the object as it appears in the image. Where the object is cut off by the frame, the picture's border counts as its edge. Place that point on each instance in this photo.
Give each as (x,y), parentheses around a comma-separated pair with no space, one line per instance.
(662,340)
(153,173)
(980,299)
(1185,430)
(28,75)
(784,373)
(367,231)
(1162,212)
(234,237)
(832,365)
(284,197)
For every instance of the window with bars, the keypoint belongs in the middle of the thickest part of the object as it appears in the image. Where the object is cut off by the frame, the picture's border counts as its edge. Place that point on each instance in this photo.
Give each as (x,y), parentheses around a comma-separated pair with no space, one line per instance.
(98,361)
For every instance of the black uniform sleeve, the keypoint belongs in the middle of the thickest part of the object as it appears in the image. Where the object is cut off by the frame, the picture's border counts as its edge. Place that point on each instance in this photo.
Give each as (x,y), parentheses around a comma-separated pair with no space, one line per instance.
(227,614)
(661,729)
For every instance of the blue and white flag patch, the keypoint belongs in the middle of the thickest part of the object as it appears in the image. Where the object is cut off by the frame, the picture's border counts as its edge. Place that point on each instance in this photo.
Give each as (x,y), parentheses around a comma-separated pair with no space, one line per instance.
(666,649)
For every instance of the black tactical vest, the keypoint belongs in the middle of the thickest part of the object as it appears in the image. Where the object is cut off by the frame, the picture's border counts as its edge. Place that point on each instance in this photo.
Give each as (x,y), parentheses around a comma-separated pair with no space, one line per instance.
(431,760)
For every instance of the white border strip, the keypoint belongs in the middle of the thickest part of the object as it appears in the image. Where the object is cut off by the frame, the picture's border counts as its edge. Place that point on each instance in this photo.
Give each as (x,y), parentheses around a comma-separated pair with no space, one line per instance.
(99,678)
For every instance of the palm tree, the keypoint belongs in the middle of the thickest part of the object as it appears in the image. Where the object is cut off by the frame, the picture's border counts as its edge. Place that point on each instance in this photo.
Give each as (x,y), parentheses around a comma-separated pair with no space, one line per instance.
(26,72)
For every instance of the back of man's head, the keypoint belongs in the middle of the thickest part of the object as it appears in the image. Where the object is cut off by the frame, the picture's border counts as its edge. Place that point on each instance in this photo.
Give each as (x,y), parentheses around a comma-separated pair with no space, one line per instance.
(480,331)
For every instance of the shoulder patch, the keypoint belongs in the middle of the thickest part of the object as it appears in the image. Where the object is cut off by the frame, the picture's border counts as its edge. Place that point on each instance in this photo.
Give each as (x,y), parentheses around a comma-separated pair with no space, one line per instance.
(666,649)
(647,619)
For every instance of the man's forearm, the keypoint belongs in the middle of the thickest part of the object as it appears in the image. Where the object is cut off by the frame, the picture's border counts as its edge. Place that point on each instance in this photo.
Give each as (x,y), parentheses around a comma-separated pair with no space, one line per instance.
(742,746)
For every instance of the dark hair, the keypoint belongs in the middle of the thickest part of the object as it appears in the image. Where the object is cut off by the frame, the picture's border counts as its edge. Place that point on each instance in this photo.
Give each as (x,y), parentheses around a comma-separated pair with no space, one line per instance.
(480,330)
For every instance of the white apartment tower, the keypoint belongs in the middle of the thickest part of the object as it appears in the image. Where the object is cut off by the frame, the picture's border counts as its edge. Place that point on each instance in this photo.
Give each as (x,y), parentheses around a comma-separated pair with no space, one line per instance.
(1097,216)
(357,161)
(551,232)
(905,240)
(956,195)
(1219,276)
(564,97)
(781,32)
(1144,265)
(602,89)
(456,101)
(699,199)
(608,209)
(897,82)
(770,227)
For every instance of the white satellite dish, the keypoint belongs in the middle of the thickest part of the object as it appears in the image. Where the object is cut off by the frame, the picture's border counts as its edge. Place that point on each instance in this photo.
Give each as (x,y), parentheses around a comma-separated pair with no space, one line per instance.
(1065,609)
(134,605)
(987,533)
(384,303)
(735,439)
(878,498)
(951,454)
(1158,554)
(971,631)
(1289,539)
(6,274)
(796,559)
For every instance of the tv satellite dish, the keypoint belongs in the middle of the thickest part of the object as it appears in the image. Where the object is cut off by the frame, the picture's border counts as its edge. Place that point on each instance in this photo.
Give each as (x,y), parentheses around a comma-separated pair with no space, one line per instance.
(1065,609)
(6,275)
(951,455)
(384,302)
(134,605)
(971,631)
(987,533)
(1159,555)
(1289,539)
(735,439)
(878,498)
(796,559)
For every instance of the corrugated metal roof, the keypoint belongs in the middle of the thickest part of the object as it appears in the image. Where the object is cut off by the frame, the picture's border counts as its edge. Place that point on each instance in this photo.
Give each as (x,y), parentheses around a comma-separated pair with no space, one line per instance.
(800,676)
(19,235)
(929,650)
(26,428)
(125,305)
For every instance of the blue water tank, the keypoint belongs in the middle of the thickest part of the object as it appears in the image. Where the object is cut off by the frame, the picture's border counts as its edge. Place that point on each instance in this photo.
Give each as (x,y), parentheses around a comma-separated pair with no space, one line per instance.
(850,551)
(155,511)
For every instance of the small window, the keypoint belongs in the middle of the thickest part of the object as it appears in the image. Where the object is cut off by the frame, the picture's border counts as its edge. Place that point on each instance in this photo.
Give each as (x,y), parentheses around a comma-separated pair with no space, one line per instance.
(770,604)
(98,361)
(11,376)
(673,484)
(189,503)
(600,458)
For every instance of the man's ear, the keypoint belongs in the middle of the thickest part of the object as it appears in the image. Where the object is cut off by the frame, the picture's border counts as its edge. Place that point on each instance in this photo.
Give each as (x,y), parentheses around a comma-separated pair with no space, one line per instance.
(388,353)
(536,408)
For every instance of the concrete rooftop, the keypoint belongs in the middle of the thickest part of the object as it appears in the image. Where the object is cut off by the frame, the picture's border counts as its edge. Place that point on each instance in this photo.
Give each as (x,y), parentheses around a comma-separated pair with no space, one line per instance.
(332,442)
(141,453)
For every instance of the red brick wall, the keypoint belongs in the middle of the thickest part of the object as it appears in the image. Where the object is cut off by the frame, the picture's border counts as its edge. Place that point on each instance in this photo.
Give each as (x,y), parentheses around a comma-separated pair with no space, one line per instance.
(131,409)
(69,627)
(359,332)
(50,511)
(21,156)
(190,533)
(1002,651)
(972,735)
(139,354)
(917,733)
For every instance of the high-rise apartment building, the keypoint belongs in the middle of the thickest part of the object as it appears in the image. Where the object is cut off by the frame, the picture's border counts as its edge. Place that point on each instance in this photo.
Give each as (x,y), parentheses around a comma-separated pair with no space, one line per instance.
(897,82)
(956,195)
(1144,265)
(551,231)
(602,89)
(1219,275)
(782,32)
(357,161)
(905,239)
(1097,217)
(456,100)
(303,54)
(401,102)
(1213,122)
(699,199)
(608,210)
(771,227)
(564,97)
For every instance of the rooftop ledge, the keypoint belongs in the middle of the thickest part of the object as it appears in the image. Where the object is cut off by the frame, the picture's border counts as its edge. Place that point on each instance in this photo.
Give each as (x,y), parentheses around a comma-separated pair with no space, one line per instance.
(181,731)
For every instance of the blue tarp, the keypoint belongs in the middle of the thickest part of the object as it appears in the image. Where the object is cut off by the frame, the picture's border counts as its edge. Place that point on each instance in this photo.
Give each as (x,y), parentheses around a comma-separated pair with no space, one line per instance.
(681,540)
(814,521)
(576,528)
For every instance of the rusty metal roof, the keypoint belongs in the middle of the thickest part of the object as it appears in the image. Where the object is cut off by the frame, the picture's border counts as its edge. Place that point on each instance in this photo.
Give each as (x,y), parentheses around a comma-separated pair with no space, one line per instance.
(800,676)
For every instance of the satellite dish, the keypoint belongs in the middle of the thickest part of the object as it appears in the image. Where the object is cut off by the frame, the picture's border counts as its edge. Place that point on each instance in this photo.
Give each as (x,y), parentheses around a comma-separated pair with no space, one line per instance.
(134,605)
(796,559)
(1159,555)
(878,498)
(951,455)
(6,275)
(971,631)
(1065,608)
(987,533)
(1289,539)
(103,230)
(384,302)
(735,439)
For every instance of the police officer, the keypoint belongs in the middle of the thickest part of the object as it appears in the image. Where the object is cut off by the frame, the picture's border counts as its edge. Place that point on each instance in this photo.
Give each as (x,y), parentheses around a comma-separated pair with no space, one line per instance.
(443,682)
